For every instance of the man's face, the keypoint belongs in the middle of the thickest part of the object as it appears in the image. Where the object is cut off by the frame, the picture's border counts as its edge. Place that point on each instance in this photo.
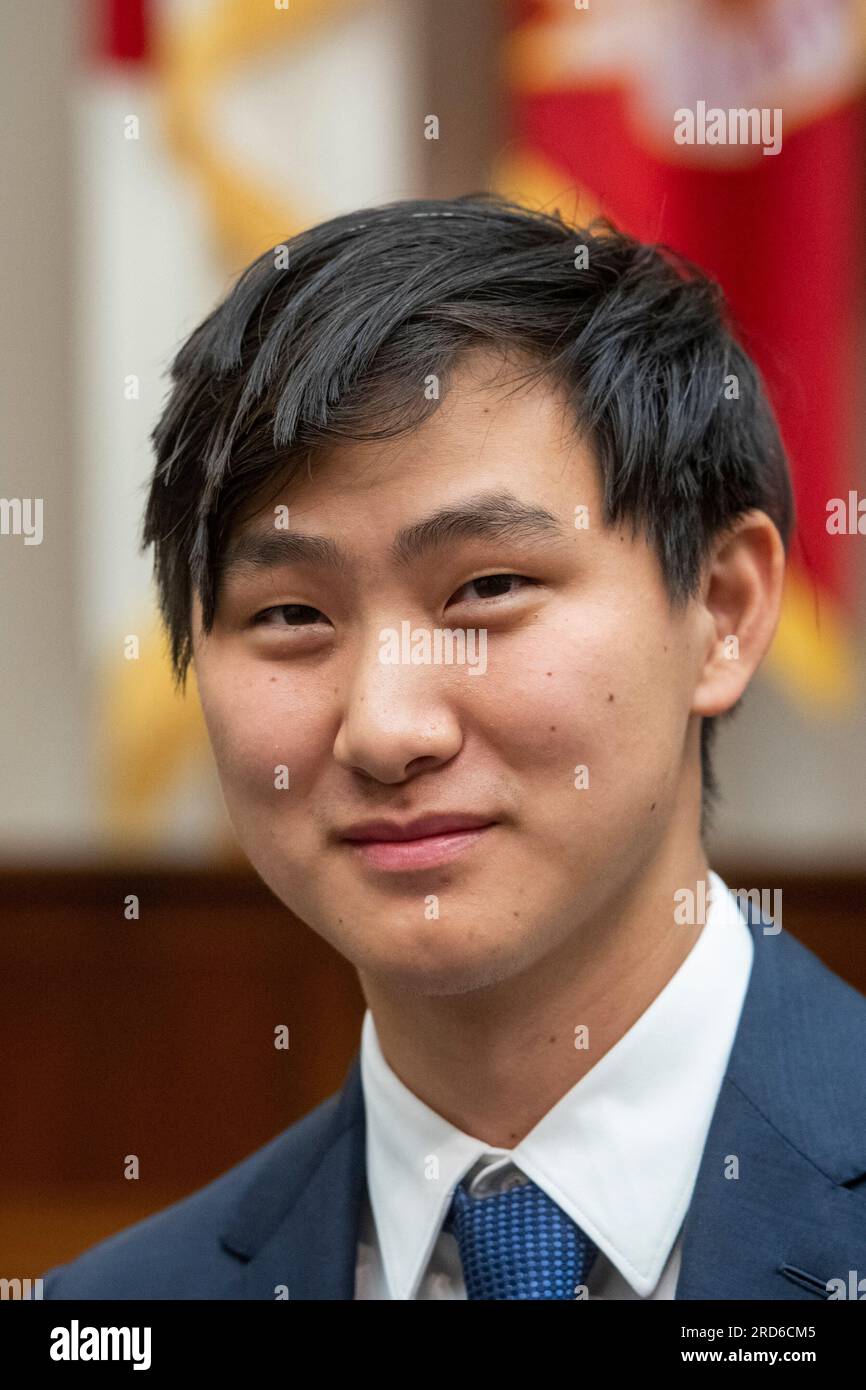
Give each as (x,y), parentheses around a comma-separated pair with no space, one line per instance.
(585,667)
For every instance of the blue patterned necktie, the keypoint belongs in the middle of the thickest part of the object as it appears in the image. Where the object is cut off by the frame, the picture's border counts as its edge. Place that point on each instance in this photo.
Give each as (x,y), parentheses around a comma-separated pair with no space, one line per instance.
(518,1244)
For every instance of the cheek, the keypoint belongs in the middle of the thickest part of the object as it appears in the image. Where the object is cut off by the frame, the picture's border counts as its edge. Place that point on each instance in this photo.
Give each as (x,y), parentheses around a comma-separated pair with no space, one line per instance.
(259,722)
(592,686)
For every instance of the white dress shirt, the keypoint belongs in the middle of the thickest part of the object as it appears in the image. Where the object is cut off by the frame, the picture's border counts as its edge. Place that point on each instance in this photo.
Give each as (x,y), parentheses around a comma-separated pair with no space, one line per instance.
(619,1152)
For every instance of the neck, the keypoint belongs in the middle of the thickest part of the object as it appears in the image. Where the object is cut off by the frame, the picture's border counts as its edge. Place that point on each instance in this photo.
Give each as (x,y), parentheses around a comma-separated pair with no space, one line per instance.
(494,1061)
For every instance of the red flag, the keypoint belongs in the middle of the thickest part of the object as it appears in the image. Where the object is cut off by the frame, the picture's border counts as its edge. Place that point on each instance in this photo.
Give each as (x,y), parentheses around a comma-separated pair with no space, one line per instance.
(734,132)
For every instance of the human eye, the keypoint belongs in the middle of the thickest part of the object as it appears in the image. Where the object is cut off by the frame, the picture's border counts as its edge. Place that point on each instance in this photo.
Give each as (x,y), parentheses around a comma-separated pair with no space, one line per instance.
(485,582)
(289,615)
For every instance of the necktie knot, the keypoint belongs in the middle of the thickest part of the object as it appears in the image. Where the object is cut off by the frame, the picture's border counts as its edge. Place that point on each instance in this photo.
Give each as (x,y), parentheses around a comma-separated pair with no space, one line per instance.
(518,1244)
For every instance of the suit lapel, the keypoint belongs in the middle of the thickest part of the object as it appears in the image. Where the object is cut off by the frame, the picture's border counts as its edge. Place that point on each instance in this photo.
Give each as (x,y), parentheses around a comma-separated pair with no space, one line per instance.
(788,1122)
(781,1229)
(297,1225)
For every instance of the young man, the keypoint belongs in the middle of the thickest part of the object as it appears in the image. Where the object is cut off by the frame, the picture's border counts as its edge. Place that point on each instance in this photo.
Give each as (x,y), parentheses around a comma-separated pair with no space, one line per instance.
(472,523)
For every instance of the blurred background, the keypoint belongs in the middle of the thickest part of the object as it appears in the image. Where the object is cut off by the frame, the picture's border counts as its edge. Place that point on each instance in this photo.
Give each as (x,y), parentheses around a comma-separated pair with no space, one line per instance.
(151,149)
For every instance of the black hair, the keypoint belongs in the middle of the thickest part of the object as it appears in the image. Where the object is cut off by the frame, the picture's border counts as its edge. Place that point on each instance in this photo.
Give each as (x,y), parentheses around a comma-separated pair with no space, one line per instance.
(334,333)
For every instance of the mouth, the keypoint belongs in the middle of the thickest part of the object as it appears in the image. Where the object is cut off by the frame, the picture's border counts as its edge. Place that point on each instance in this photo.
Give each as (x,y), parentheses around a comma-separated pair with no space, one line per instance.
(421,852)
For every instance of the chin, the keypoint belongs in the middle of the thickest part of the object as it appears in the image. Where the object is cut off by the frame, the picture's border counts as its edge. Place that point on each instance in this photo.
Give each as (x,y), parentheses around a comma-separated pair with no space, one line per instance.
(446,969)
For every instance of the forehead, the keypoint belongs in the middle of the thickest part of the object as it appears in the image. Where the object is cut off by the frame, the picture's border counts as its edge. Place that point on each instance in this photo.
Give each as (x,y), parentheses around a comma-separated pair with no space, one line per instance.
(492,433)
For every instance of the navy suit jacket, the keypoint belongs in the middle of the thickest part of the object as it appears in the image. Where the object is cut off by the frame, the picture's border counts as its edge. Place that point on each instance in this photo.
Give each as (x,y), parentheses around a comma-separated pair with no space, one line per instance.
(791,1109)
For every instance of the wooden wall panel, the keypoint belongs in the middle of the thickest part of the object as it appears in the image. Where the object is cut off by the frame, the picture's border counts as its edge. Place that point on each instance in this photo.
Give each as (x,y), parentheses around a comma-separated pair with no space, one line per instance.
(155,1037)
(152,1037)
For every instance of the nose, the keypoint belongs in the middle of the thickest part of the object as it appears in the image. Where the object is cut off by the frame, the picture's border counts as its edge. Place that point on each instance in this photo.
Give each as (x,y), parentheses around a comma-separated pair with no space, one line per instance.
(397,720)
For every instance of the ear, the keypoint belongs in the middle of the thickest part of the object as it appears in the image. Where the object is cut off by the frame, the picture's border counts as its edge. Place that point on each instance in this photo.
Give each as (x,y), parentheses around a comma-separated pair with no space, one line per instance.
(741,599)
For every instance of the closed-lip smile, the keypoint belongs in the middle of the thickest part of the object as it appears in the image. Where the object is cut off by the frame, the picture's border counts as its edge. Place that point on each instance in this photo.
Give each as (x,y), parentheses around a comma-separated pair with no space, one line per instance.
(441,824)
(423,843)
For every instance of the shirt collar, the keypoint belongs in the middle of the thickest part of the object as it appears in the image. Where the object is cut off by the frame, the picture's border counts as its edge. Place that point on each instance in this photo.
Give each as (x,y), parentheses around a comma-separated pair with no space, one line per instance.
(619,1152)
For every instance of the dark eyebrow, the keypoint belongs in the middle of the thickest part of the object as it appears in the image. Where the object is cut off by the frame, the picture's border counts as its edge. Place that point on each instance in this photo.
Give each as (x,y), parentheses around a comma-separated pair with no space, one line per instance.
(488,516)
(264,551)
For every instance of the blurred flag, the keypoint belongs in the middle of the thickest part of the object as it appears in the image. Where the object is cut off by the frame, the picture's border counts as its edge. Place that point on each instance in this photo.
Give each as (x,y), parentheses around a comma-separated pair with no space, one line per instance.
(208,131)
(620,108)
